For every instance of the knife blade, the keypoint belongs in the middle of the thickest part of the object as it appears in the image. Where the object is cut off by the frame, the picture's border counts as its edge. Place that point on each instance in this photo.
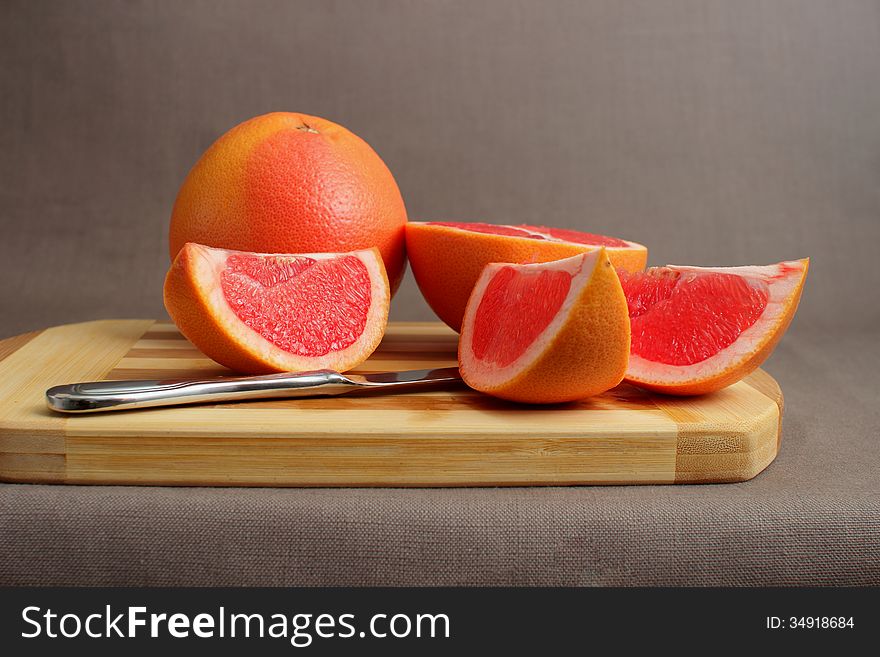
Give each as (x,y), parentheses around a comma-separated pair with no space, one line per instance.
(96,396)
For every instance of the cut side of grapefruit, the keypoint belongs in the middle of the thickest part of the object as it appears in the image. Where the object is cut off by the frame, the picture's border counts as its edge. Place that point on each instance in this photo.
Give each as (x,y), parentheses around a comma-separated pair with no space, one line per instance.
(548,332)
(448,258)
(257,313)
(698,329)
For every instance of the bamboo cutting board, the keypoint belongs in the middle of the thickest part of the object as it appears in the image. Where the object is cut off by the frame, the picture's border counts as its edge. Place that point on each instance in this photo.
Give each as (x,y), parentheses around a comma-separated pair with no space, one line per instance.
(454,437)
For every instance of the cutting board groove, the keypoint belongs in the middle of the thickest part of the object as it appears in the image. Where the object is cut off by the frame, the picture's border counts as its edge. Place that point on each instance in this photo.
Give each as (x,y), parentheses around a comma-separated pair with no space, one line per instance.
(452,437)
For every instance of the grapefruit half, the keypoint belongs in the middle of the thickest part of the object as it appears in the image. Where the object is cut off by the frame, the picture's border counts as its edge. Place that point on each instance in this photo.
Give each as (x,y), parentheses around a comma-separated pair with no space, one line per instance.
(258,313)
(448,258)
(699,329)
(548,332)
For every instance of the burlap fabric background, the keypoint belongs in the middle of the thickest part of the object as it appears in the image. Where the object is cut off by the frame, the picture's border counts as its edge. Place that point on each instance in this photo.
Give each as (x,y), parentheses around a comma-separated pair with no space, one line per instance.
(714,132)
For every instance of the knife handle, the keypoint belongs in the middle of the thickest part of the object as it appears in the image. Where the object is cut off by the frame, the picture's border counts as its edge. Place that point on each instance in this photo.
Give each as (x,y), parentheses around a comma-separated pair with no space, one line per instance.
(123,395)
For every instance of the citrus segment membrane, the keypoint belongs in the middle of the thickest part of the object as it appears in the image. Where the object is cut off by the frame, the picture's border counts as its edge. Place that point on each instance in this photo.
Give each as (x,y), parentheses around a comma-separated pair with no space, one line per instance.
(536,233)
(683,318)
(576,236)
(304,306)
(516,307)
(490,229)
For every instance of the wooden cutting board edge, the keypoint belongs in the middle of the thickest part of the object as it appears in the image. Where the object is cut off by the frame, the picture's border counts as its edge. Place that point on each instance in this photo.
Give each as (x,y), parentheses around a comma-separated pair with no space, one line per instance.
(37,455)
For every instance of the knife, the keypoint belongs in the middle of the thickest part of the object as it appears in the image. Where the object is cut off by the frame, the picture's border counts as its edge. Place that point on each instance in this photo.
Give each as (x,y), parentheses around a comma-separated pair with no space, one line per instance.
(123,395)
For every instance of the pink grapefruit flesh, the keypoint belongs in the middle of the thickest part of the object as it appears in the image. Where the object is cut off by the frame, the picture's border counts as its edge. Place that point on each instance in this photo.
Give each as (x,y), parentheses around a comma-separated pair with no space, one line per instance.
(517,306)
(697,329)
(304,306)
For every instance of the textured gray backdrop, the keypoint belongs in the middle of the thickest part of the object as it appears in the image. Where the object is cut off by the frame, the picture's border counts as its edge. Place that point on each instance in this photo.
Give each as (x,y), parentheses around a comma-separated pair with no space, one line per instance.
(714,132)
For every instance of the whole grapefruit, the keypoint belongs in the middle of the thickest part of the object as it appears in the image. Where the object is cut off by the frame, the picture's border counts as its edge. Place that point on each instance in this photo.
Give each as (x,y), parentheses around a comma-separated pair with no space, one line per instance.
(292,183)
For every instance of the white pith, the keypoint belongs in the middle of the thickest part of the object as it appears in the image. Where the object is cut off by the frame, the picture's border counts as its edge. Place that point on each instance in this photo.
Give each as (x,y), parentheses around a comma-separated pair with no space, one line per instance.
(208,266)
(782,289)
(581,268)
(546,236)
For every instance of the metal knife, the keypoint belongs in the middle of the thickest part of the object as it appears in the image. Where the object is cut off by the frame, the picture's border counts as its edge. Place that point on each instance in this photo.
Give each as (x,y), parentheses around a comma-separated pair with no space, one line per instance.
(123,395)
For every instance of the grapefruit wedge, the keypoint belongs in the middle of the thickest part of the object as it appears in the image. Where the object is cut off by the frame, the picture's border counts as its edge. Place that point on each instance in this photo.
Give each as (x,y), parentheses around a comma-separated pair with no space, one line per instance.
(699,329)
(448,258)
(258,313)
(548,332)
